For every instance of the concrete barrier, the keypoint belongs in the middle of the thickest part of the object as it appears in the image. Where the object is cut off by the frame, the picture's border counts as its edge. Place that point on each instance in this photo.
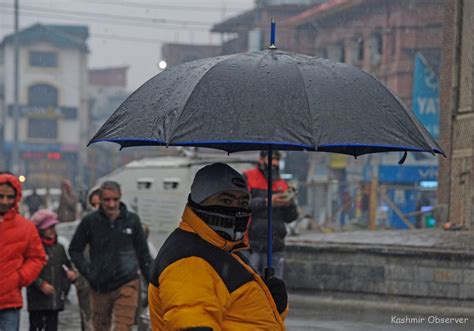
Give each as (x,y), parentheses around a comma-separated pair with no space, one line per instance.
(389,270)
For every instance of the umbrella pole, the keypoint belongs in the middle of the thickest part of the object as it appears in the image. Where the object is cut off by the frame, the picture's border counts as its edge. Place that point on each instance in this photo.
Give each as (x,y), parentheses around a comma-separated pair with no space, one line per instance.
(269,270)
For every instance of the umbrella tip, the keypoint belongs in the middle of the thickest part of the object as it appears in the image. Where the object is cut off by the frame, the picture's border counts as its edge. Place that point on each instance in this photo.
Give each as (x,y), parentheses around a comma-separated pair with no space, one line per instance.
(272,35)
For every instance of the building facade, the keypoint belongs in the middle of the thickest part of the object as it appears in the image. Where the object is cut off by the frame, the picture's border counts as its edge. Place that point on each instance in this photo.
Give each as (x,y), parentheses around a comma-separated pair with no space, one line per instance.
(379,36)
(398,41)
(106,90)
(250,30)
(52,102)
(457,117)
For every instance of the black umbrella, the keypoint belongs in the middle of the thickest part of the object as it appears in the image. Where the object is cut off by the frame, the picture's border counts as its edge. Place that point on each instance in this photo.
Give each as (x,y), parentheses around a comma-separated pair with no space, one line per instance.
(269,100)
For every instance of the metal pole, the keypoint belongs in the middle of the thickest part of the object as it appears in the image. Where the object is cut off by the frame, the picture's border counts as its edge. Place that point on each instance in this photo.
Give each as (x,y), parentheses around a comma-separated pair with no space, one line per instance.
(15,147)
(373,202)
(269,270)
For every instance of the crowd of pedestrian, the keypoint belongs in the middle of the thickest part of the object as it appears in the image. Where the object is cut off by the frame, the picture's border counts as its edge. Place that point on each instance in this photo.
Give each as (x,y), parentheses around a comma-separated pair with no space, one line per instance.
(209,274)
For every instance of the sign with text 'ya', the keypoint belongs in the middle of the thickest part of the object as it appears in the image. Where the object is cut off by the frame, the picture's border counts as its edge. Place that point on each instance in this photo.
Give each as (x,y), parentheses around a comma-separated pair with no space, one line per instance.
(426,95)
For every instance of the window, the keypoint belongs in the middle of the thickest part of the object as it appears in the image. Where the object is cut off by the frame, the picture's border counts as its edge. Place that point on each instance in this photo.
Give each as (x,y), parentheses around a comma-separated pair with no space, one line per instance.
(42,95)
(43,59)
(342,54)
(375,48)
(336,52)
(144,183)
(170,183)
(43,128)
(360,49)
(379,43)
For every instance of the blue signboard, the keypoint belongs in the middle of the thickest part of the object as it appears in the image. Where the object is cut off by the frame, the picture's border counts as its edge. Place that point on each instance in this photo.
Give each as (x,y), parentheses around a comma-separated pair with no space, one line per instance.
(426,95)
(405,174)
(405,200)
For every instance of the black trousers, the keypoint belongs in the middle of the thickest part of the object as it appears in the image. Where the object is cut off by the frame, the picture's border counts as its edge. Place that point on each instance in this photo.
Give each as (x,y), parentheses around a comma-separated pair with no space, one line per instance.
(44,320)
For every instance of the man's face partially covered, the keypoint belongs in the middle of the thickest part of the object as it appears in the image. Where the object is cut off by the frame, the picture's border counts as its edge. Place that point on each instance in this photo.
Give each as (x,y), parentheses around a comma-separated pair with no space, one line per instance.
(7,198)
(232,208)
(110,203)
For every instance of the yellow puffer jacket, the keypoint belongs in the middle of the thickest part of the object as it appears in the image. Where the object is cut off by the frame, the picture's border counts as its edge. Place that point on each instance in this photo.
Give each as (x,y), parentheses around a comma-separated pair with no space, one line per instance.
(199,280)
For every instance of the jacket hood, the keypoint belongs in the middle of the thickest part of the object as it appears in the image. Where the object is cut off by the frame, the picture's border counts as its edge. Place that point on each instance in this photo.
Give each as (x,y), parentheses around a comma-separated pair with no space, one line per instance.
(193,223)
(15,182)
(92,191)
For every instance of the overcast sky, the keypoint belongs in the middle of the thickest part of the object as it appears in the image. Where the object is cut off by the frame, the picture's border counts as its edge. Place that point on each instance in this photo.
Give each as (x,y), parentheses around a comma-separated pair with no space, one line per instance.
(128,32)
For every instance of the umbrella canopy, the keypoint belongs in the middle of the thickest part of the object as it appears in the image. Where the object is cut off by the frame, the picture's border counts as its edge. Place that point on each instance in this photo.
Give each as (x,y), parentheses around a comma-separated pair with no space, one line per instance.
(268,99)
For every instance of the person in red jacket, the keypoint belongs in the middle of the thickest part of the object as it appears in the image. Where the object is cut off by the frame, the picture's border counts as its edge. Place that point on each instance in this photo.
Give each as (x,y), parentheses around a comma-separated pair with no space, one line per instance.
(22,256)
(284,211)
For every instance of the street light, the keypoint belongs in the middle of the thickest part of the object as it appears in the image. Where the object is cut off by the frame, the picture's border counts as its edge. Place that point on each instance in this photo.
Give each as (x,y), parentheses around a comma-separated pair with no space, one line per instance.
(162,65)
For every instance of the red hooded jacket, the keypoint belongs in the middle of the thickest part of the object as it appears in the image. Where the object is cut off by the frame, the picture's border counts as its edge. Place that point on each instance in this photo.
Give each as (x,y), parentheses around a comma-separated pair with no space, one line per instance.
(22,256)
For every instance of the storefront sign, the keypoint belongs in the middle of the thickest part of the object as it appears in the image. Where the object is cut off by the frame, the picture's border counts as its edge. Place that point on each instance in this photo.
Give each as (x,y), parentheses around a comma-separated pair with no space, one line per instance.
(69,113)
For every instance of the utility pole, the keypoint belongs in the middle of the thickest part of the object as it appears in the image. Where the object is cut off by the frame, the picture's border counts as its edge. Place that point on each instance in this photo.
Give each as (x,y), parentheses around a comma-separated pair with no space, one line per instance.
(15,160)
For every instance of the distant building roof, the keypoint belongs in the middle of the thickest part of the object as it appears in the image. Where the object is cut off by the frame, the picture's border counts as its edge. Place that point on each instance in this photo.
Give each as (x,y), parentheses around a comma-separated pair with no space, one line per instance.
(320,10)
(114,76)
(249,19)
(63,36)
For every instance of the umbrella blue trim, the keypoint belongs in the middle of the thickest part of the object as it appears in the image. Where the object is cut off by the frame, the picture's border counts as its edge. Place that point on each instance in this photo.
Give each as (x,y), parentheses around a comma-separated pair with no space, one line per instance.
(401,148)
(263,143)
(208,142)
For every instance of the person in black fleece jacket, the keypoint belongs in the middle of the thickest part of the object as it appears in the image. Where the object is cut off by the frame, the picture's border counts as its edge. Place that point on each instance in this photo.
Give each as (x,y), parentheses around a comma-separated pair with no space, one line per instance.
(118,249)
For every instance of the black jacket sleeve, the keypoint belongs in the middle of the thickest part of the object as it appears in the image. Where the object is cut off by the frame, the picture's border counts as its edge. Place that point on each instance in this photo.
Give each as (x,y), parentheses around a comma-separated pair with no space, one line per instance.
(141,249)
(76,249)
(291,213)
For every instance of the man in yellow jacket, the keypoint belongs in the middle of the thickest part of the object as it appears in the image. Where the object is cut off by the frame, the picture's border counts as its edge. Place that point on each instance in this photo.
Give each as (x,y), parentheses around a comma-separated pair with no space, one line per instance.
(199,279)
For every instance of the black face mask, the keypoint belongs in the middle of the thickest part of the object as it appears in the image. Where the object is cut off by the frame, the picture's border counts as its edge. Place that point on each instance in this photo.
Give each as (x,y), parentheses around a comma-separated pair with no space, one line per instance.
(229,222)
(264,169)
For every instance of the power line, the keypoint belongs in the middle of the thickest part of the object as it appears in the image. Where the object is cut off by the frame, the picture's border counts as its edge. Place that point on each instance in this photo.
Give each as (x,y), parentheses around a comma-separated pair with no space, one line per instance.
(128,38)
(118,37)
(122,18)
(167,7)
(150,23)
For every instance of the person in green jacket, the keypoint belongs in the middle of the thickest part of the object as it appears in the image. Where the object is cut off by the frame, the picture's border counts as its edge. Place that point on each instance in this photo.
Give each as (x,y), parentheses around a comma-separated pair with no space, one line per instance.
(47,293)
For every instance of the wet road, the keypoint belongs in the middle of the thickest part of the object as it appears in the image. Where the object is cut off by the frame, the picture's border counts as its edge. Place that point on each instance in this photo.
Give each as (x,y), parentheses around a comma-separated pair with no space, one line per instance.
(69,319)
(338,319)
(309,317)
